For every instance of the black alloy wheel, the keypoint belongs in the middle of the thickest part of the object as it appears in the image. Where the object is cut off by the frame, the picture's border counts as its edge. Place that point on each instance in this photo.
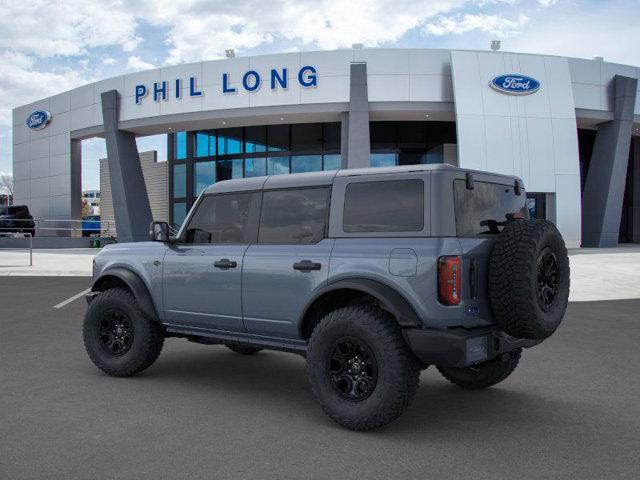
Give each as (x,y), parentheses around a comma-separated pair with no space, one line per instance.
(353,369)
(116,333)
(548,281)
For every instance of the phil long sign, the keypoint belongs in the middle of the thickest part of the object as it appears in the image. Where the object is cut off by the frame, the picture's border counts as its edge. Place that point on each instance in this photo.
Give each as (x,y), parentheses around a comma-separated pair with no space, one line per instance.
(250,81)
(515,84)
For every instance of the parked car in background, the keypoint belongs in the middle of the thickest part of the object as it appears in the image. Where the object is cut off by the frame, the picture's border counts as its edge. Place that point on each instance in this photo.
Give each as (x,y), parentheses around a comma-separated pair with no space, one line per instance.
(17,219)
(91,225)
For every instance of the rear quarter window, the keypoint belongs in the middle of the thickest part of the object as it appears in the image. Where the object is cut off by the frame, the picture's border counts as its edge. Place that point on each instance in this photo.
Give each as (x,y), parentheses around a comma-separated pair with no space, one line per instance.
(484,209)
(384,206)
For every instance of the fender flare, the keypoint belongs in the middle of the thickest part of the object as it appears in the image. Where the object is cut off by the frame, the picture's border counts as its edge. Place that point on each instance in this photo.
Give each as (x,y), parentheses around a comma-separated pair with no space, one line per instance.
(392,301)
(135,284)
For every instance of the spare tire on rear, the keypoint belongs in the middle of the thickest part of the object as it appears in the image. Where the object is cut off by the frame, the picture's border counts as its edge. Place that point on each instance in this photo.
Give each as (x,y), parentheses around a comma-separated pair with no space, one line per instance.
(529,278)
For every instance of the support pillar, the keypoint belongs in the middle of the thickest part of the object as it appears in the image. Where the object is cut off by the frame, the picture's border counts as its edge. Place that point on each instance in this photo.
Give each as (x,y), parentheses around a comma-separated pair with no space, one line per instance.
(604,187)
(130,201)
(636,190)
(358,148)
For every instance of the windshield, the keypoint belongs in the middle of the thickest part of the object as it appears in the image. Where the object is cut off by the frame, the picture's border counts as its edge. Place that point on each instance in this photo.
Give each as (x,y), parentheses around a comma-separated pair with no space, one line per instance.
(483,210)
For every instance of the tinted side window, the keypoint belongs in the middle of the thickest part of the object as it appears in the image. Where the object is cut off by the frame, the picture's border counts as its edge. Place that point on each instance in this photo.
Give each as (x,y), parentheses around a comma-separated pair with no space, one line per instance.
(294,216)
(220,219)
(482,210)
(386,206)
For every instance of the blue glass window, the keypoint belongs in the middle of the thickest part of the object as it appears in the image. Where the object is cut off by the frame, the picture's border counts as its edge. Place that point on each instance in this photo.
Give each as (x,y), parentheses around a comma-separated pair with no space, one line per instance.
(383,159)
(229,141)
(180,180)
(255,167)
(205,144)
(255,139)
(179,214)
(277,165)
(180,146)
(306,163)
(204,174)
(228,169)
(332,162)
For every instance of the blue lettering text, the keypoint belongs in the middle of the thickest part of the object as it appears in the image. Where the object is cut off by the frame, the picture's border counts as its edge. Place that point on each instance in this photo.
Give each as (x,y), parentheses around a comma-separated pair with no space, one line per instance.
(251,86)
(157,90)
(310,80)
(225,84)
(192,88)
(141,91)
(275,77)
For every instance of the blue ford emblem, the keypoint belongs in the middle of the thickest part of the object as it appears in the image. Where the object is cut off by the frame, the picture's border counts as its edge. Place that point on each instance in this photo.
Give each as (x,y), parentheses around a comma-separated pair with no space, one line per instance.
(38,119)
(515,84)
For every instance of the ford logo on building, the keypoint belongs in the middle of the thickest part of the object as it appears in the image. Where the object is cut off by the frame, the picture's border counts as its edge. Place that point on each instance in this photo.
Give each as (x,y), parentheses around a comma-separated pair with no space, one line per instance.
(515,84)
(38,119)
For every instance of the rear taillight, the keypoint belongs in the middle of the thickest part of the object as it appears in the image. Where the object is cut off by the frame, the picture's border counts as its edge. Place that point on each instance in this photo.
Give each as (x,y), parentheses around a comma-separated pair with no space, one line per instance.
(449,280)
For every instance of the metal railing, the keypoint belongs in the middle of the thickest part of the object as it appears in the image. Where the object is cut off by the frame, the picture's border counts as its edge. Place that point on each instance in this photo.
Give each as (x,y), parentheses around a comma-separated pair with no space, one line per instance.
(59,228)
(22,235)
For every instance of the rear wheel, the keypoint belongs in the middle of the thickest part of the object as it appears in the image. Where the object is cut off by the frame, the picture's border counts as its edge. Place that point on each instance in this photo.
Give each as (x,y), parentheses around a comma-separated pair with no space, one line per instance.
(484,374)
(243,349)
(118,337)
(361,371)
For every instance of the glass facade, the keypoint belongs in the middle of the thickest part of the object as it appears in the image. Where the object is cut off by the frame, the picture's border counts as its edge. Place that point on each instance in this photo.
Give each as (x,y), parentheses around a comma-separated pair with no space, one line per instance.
(409,143)
(201,158)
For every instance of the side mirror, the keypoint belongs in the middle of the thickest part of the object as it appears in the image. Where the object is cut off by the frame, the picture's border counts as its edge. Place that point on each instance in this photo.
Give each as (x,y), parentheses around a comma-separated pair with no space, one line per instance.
(159,231)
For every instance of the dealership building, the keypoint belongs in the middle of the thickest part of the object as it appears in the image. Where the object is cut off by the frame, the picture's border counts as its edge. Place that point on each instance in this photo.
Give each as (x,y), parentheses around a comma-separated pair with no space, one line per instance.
(568,127)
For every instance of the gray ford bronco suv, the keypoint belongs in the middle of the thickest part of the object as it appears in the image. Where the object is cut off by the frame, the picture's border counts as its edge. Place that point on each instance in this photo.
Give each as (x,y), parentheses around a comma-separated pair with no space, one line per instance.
(371,274)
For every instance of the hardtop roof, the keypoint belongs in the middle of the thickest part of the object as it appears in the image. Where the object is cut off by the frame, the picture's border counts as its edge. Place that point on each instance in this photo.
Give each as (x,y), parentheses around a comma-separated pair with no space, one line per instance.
(310,179)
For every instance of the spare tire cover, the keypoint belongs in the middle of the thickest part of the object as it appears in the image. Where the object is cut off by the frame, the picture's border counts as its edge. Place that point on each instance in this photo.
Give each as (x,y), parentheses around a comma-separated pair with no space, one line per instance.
(529,278)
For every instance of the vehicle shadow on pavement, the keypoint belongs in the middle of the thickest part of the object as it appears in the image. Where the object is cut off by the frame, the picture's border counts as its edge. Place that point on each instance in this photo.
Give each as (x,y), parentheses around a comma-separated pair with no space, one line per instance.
(277,382)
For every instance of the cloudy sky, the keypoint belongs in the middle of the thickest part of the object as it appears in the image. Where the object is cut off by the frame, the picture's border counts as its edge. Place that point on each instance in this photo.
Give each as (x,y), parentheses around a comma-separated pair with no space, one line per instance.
(47,47)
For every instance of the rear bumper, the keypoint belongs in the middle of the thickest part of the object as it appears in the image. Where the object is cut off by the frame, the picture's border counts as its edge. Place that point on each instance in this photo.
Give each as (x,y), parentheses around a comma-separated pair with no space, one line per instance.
(460,347)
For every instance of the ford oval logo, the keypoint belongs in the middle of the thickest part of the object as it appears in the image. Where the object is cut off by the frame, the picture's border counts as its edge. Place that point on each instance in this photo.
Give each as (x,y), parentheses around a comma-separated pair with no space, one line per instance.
(38,119)
(515,84)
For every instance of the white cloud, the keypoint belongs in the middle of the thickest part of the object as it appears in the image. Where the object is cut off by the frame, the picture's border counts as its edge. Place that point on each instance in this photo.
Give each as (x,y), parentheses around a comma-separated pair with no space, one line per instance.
(547,3)
(46,28)
(589,37)
(135,63)
(108,61)
(21,83)
(325,24)
(491,24)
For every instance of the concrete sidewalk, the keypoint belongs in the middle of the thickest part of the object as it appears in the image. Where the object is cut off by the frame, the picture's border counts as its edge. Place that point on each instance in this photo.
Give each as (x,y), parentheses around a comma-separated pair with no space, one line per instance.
(596,274)
(71,262)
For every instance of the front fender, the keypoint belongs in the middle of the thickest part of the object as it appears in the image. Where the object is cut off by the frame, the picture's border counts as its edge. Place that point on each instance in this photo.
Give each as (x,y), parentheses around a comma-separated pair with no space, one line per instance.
(135,284)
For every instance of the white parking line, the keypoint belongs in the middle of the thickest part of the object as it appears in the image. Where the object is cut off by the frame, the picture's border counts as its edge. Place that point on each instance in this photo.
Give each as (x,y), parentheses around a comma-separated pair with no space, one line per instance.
(75,297)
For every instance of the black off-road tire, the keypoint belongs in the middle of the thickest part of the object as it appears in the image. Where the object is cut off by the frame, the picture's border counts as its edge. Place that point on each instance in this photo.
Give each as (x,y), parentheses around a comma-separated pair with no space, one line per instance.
(397,369)
(484,374)
(147,342)
(243,349)
(515,267)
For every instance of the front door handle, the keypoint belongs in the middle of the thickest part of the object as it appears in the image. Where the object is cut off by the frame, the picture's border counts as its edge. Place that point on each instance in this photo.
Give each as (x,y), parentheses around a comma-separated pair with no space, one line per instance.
(306,265)
(225,263)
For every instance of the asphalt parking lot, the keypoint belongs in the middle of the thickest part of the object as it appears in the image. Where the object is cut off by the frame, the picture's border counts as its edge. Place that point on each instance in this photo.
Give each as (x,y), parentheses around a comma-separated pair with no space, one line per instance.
(571,410)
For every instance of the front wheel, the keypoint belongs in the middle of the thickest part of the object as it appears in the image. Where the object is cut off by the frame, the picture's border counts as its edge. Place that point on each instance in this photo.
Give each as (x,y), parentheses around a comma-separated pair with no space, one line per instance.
(118,337)
(361,371)
(483,375)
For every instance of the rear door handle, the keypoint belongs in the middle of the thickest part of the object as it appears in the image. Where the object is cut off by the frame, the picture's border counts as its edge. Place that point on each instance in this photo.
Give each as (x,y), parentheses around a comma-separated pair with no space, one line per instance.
(225,263)
(306,265)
